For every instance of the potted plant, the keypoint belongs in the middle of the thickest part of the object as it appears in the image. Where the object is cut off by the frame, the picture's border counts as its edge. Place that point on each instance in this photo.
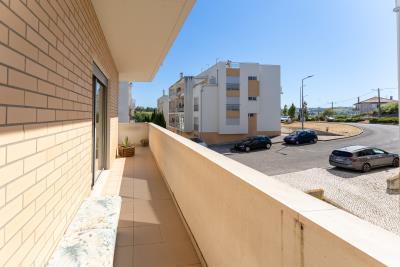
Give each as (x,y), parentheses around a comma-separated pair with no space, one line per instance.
(126,149)
(144,142)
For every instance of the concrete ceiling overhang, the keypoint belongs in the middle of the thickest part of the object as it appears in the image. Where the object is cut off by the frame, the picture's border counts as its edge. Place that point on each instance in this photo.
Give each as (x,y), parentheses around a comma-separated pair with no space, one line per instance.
(139,33)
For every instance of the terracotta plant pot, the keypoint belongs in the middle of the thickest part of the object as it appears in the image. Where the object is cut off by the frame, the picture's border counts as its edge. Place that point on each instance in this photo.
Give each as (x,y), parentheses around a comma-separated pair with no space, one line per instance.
(126,151)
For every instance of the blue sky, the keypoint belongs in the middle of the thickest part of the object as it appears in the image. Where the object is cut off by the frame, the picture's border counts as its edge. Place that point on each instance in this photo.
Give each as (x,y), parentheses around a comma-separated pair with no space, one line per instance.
(350,46)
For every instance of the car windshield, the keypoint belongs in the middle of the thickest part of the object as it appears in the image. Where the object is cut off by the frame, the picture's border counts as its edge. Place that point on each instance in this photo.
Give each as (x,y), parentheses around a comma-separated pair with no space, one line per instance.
(340,153)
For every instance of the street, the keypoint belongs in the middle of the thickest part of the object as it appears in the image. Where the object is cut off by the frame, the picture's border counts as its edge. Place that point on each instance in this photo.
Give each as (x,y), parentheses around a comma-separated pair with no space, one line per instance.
(283,158)
(306,167)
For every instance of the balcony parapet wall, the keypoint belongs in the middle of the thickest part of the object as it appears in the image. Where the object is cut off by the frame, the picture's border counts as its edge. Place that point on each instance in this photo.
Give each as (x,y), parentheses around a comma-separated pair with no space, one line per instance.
(241,217)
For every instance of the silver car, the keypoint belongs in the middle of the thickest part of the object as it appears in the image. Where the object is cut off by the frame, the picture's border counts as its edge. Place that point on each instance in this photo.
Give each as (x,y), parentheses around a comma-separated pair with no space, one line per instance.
(362,158)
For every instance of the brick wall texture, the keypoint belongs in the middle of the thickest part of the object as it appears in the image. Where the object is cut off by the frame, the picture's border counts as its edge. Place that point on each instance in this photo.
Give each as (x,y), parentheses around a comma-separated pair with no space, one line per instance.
(47,50)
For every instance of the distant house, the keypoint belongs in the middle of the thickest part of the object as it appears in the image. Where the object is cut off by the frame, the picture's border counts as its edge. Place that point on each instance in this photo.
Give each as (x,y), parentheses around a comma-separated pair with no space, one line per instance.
(371,104)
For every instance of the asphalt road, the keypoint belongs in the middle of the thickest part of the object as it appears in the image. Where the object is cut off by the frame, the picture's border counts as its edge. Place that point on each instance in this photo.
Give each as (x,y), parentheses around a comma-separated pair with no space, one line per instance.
(283,158)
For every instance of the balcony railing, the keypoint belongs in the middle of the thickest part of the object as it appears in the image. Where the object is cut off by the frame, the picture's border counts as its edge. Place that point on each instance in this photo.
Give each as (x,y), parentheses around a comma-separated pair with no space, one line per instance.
(241,217)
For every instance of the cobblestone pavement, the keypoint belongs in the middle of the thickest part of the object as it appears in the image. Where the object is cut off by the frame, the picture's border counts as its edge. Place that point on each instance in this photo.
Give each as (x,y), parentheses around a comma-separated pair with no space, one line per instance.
(363,195)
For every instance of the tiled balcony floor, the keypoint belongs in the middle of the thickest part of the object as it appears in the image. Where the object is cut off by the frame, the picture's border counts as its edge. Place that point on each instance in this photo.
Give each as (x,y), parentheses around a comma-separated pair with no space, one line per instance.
(150,231)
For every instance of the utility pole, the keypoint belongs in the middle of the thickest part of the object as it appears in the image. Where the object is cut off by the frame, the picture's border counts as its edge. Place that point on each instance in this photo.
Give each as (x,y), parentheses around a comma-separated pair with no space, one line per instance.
(300,106)
(332,106)
(358,105)
(302,99)
(379,102)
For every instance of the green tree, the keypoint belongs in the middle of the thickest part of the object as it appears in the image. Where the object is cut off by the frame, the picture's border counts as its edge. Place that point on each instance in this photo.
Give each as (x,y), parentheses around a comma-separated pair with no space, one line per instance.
(328,112)
(390,108)
(305,111)
(292,111)
(159,119)
(285,110)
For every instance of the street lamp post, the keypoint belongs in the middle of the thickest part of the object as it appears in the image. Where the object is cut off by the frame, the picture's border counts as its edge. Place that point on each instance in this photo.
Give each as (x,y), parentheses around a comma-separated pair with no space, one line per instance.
(397,10)
(302,100)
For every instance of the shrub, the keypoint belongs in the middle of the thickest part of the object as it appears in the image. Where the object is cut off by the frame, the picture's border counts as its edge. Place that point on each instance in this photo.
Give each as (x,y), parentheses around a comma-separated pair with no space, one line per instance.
(390,108)
(393,120)
(344,118)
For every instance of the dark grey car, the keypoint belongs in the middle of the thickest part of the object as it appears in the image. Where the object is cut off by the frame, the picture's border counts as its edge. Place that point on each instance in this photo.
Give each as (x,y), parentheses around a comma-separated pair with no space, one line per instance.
(362,158)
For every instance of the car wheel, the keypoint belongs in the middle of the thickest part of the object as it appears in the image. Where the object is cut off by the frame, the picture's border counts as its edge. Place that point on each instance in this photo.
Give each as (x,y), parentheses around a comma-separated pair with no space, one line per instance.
(315,140)
(396,162)
(247,149)
(268,146)
(297,142)
(366,167)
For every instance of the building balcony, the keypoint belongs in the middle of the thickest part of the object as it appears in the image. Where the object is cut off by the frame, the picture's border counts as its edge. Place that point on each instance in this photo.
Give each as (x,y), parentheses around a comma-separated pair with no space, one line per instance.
(185,205)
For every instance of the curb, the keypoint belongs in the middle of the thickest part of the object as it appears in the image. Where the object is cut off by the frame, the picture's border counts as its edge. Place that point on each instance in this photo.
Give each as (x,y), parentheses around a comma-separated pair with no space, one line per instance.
(333,139)
(345,137)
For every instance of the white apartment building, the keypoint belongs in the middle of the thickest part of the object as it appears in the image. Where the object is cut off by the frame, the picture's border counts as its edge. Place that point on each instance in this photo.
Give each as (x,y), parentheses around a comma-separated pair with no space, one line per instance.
(125,101)
(230,101)
(163,105)
(181,105)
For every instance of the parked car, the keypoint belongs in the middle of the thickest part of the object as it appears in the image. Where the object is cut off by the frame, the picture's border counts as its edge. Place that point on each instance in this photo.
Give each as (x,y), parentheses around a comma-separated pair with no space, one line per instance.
(254,142)
(286,119)
(301,136)
(362,158)
(199,141)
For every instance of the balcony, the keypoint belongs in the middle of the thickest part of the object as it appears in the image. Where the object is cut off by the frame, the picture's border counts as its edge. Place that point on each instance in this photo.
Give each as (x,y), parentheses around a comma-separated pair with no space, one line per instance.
(232,214)
(150,231)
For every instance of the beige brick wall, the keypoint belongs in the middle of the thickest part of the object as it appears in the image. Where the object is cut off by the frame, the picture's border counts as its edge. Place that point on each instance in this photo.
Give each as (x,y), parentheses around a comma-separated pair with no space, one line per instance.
(47,49)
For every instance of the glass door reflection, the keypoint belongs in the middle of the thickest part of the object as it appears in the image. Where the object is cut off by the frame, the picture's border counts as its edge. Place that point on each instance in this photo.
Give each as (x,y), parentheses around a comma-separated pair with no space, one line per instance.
(99,127)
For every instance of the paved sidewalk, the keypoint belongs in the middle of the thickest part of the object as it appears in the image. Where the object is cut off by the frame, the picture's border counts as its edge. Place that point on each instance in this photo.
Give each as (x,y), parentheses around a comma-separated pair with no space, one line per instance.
(364,195)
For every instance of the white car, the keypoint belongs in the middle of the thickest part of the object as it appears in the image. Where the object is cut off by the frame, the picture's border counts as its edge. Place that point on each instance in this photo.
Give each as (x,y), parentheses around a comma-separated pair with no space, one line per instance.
(286,119)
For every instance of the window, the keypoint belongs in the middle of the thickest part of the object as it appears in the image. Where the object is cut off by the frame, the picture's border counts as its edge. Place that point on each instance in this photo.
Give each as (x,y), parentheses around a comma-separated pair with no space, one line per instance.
(251,115)
(252,98)
(196,104)
(233,100)
(232,83)
(378,151)
(233,107)
(195,123)
(252,78)
(367,152)
(232,121)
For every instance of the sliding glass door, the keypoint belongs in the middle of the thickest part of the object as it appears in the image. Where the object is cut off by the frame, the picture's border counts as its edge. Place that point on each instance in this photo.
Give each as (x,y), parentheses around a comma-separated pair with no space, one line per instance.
(99,127)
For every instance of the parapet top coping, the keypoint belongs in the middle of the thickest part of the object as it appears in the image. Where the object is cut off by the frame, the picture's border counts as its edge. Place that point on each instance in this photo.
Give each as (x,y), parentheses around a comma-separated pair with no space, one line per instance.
(372,240)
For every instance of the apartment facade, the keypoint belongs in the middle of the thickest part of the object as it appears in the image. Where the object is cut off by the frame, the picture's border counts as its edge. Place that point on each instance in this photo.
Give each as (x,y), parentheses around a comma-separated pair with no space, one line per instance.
(61,63)
(230,101)
(180,105)
(125,101)
(163,105)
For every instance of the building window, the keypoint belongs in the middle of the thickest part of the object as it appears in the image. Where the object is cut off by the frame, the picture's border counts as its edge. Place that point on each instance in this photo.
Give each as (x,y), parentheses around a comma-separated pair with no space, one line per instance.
(252,78)
(195,123)
(233,100)
(251,115)
(232,83)
(196,104)
(232,121)
(252,98)
(233,107)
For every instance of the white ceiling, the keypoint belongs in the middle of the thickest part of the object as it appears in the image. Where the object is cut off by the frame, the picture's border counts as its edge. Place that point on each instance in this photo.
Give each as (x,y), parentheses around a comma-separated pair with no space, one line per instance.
(139,33)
